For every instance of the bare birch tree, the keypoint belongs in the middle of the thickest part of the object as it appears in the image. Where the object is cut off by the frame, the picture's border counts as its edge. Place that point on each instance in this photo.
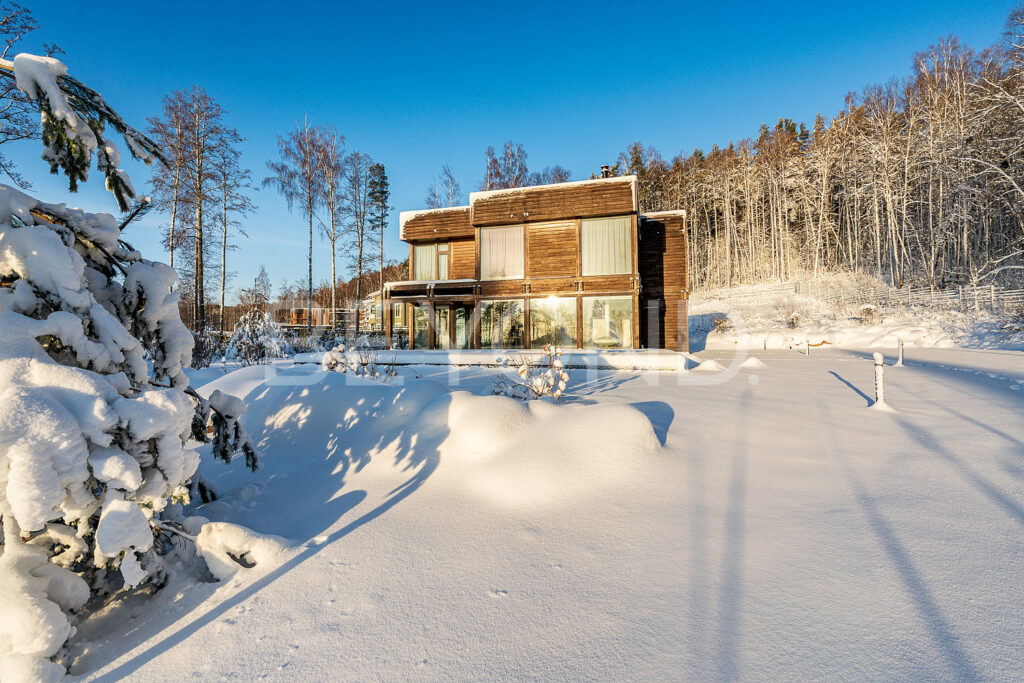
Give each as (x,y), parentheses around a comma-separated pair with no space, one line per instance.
(297,178)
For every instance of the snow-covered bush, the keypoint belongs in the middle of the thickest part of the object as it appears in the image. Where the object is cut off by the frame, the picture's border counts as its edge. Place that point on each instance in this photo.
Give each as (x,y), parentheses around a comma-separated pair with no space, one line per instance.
(360,361)
(534,379)
(257,339)
(95,441)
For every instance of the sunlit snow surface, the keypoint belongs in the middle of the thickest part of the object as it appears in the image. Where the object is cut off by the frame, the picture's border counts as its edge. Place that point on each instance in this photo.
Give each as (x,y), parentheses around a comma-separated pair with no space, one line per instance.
(757,522)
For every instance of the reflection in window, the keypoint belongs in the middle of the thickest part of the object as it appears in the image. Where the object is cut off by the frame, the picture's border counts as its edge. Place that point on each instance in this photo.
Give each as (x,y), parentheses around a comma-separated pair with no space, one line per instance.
(553,321)
(501,324)
(607,246)
(608,321)
(442,331)
(501,253)
(420,330)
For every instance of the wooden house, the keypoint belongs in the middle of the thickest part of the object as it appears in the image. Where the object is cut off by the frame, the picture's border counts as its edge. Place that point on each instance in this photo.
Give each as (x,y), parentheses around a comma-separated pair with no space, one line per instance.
(573,264)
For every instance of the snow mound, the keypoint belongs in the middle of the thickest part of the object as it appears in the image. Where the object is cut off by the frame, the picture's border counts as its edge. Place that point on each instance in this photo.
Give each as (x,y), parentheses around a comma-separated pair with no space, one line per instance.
(753,362)
(229,548)
(535,454)
(710,365)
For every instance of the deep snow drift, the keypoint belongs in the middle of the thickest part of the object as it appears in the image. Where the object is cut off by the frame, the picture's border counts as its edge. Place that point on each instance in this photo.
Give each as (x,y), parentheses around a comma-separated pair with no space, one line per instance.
(757,522)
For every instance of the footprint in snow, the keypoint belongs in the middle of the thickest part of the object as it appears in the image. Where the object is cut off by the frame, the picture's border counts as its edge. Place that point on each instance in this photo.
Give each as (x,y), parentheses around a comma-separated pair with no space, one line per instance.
(495,593)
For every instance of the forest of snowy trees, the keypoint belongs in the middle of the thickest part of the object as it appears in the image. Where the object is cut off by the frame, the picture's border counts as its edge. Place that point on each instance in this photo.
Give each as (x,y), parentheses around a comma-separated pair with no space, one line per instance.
(919,181)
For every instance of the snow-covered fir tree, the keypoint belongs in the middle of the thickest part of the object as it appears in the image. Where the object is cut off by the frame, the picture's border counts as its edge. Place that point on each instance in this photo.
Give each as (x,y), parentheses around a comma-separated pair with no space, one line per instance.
(256,340)
(99,426)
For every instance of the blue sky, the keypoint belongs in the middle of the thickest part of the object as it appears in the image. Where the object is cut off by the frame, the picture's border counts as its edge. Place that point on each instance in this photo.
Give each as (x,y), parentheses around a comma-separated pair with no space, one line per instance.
(416,85)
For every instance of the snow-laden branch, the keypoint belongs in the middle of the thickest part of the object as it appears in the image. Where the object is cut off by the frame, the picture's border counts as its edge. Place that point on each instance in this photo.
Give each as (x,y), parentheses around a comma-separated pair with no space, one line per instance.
(74,118)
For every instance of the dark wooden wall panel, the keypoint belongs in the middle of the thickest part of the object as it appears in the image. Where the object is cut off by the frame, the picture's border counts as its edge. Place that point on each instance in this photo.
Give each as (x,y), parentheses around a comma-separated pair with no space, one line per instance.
(554,202)
(662,265)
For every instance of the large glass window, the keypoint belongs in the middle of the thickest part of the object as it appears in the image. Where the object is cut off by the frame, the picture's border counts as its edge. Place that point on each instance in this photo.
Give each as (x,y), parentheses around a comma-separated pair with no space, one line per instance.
(501,253)
(608,322)
(420,331)
(501,324)
(607,247)
(425,262)
(553,321)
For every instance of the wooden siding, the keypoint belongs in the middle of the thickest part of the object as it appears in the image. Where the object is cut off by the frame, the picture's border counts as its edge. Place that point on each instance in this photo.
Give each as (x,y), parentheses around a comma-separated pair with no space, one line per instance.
(552,249)
(554,202)
(490,288)
(559,285)
(663,277)
(606,283)
(462,259)
(438,226)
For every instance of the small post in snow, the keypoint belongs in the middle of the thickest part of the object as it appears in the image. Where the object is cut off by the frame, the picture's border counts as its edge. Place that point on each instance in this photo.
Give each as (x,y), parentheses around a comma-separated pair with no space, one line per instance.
(899,357)
(879,380)
(807,347)
(766,343)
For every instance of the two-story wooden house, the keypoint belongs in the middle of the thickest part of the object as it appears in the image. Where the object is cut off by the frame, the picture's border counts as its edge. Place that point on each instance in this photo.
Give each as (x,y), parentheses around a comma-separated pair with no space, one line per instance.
(572,264)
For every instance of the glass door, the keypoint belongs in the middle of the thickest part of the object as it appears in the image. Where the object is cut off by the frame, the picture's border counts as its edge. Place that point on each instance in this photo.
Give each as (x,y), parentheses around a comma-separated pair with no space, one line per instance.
(462,326)
(442,327)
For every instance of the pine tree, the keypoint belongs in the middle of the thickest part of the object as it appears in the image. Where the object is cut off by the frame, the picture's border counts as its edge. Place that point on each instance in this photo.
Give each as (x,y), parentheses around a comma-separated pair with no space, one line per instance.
(97,431)
(380,194)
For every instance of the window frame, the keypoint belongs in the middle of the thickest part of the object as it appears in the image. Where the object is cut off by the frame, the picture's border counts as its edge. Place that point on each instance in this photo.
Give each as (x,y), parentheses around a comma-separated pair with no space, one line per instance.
(437,250)
(522,269)
(521,303)
(629,246)
(584,340)
(537,305)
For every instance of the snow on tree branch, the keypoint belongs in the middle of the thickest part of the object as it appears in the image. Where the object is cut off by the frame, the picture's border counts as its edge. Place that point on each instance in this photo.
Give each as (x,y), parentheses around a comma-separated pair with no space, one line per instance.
(74,118)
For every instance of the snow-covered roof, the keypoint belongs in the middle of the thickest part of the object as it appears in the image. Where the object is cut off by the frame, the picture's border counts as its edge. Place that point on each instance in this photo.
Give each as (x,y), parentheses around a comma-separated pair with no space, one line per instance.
(488,194)
(387,285)
(406,216)
(666,214)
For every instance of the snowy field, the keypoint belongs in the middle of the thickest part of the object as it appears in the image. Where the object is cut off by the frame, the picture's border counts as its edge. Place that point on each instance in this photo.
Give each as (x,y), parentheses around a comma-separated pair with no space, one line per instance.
(759,523)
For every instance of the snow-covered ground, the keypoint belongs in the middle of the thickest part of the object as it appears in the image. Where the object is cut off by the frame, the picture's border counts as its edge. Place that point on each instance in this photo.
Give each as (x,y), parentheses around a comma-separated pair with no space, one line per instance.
(760,522)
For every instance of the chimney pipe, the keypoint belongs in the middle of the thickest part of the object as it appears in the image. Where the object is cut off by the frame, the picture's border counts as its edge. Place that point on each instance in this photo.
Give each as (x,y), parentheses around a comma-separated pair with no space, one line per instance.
(606,171)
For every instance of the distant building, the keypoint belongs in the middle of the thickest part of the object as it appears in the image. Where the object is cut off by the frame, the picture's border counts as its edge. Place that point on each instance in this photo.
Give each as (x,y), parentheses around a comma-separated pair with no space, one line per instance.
(572,264)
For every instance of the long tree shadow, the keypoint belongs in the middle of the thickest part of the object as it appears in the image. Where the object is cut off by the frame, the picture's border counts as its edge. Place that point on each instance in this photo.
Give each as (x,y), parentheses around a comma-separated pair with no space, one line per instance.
(411,421)
(928,609)
(929,442)
(730,589)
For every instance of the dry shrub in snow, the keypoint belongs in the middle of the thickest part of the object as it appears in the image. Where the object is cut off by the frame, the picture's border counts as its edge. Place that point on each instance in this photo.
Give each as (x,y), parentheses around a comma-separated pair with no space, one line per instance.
(99,426)
(722,324)
(869,314)
(256,340)
(360,361)
(788,312)
(534,379)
